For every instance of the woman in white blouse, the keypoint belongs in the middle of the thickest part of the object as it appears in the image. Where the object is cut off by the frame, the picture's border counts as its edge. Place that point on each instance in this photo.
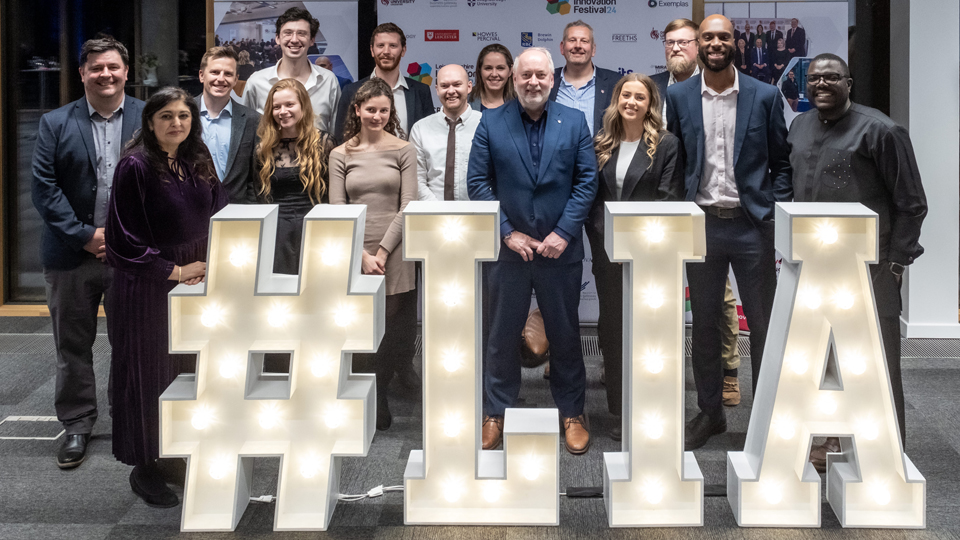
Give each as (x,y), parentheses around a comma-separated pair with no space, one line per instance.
(638,161)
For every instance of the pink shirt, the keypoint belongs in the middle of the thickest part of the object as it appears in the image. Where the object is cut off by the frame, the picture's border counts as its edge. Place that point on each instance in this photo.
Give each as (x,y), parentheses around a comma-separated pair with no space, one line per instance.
(717,185)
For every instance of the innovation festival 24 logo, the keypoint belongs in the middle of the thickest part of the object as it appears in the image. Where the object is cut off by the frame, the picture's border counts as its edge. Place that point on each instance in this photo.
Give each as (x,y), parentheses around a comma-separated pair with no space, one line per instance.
(597,7)
(420,73)
(558,6)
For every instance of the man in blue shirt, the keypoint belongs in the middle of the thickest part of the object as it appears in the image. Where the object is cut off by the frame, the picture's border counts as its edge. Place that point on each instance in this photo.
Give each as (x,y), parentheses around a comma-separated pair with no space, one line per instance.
(229,129)
(580,84)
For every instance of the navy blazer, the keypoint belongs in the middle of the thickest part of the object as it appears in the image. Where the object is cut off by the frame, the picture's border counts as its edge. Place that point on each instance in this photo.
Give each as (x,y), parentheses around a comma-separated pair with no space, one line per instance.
(603,86)
(536,203)
(418,98)
(64,187)
(240,177)
(662,80)
(761,155)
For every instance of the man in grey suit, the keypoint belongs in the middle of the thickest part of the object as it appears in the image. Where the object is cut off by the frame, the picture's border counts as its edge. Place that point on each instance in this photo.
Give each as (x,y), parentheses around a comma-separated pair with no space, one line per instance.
(78,147)
(229,129)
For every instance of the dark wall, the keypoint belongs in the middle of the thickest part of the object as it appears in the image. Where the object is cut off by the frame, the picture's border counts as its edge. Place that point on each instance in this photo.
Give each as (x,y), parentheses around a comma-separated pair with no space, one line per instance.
(870,54)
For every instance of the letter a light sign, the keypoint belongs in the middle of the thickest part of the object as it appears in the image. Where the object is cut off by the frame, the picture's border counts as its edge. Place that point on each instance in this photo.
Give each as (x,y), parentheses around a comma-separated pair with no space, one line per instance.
(824,374)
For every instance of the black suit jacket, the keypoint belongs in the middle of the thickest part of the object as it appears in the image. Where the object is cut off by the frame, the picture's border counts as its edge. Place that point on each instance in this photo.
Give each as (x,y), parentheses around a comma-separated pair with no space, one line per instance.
(772,38)
(419,101)
(797,41)
(64,187)
(240,175)
(606,80)
(659,180)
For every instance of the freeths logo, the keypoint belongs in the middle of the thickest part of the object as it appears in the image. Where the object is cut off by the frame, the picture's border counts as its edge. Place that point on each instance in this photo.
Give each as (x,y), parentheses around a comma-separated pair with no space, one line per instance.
(557,6)
(624,38)
(486,36)
(526,39)
(420,73)
(441,35)
(655,34)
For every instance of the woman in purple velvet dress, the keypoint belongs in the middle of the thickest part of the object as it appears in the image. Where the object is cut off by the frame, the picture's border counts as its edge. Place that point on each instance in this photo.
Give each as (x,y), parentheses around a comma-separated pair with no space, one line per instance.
(165,190)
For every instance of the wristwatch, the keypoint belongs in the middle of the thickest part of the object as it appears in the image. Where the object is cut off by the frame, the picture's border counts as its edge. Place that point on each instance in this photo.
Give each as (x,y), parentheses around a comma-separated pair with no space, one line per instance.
(897,268)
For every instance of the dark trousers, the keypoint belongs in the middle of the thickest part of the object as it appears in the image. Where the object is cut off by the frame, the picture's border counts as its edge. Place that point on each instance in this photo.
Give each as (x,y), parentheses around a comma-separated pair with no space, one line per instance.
(749,250)
(558,297)
(886,290)
(399,340)
(73,297)
(609,279)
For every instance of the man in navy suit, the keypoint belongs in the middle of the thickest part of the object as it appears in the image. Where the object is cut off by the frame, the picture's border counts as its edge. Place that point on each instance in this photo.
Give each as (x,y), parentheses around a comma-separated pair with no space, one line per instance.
(78,147)
(737,166)
(796,42)
(759,66)
(537,159)
(580,84)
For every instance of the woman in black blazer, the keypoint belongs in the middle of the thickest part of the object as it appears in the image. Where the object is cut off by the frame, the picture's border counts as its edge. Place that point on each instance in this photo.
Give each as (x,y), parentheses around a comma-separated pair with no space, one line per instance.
(638,161)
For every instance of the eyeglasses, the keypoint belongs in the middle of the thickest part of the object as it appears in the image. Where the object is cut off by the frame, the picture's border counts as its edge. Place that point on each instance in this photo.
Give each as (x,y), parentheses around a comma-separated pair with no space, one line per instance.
(669,43)
(829,78)
(298,33)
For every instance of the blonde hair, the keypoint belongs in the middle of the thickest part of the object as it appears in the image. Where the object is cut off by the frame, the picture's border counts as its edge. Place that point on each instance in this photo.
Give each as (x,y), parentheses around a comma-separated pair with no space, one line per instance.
(609,138)
(312,147)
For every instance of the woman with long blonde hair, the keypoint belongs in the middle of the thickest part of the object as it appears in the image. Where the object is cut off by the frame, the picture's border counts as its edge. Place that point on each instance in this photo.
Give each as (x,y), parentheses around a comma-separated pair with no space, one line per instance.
(292,158)
(376,167)
(638,161)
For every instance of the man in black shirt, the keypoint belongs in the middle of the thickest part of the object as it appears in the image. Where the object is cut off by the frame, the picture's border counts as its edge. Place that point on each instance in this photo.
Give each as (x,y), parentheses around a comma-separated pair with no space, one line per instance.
(878,169)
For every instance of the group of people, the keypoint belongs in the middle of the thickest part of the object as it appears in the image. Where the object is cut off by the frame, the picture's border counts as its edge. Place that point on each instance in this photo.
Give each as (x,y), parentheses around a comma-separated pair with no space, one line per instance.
(764,55)
(253,54)
(134,185)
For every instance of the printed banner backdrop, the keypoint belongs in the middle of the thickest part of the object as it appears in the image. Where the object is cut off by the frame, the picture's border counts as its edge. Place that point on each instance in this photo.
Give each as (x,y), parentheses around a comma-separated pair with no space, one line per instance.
(440,32)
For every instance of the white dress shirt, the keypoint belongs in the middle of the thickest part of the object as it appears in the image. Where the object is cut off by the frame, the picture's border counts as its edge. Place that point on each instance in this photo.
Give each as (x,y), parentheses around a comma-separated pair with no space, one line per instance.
(717,185)
(399,99)
(624,157)
(429,137)
(322,86)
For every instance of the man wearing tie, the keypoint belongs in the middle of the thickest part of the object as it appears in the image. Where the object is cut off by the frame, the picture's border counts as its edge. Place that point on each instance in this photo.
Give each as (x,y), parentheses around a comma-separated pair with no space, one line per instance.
(796,39)
(759,67)
(443,139)
(773,36)
(536,157)
(737,166)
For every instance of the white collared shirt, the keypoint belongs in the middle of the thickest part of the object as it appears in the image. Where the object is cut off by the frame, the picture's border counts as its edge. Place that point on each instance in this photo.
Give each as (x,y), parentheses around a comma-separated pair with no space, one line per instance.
(717,185)
(322,86)
(670,82)
(429,137)
(399,99)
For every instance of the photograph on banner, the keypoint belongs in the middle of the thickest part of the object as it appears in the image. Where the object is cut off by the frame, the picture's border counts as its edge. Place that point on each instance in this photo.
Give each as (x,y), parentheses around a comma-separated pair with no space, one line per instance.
(250,29)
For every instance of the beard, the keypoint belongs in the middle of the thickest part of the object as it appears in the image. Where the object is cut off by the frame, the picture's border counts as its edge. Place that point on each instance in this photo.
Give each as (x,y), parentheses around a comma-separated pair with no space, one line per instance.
(532,101)
(680,64)
(721,64)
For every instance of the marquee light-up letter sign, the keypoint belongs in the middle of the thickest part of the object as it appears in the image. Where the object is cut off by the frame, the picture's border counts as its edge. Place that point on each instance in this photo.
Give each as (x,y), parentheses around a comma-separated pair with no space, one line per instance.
(653,482)
(452,481)
(232,411)
(824,374)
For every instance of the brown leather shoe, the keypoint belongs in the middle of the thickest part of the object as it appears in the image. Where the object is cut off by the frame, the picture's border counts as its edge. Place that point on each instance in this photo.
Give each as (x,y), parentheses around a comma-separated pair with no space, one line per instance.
(576,434)
(818,454)
(546,371)
(731,391)
(492,432)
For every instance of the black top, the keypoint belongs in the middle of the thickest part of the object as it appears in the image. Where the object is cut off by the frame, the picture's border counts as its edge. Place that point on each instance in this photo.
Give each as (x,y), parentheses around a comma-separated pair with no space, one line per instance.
(862,157)
(789,89)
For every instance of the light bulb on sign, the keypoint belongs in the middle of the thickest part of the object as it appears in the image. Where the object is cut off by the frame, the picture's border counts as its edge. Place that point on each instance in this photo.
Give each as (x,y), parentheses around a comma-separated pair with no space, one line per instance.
(241,255)
(453,229)
(452,425)
(219,468)
(811,298)
(202,418)
(211,316)
(452,490)
(881,494)
(331,254)
(269,416)
(654,232)
(868,429)
(827,233)
(798,363)
(786,427)
(321,365)
(828,405)
(653,361)
(531,468)
(334,416)
(229,367)
(772,492)
(653,297)
(452,360)
(452,295)
(653,491)
(843,299)
(343,316)
(856,363)
(491,492)
(279,315)
(652,426)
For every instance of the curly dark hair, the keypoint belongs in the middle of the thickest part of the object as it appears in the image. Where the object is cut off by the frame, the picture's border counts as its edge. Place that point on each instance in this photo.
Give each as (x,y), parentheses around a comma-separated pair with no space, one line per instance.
(298,14)
(192,150)
(374,87)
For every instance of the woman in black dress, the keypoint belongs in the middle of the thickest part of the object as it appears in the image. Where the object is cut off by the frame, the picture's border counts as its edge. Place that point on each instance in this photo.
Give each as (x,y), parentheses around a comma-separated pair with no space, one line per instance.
(293,166)
(741,57)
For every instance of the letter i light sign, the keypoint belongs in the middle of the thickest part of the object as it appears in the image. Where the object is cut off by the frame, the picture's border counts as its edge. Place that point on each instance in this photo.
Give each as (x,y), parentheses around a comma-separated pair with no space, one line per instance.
(453,481)
(653,482)
(232,411)
(825,374)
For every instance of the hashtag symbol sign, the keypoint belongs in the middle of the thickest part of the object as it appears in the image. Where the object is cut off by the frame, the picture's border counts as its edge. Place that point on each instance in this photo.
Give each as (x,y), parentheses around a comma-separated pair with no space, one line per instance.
(232,411)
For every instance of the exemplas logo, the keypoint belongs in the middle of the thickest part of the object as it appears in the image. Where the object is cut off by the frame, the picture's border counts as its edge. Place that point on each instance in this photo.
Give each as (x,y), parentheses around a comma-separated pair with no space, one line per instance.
(558,6)
(420,73)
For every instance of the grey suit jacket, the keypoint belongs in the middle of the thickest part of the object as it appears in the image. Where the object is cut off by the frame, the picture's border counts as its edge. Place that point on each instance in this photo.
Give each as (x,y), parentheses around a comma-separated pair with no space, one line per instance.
(240,178)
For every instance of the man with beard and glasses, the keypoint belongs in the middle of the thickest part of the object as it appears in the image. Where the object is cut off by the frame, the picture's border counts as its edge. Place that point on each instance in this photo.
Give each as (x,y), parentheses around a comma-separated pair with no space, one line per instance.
(535,157)
(878,169)
(296,32)
(580,84)
(411,99)
(680,49)
(733,134)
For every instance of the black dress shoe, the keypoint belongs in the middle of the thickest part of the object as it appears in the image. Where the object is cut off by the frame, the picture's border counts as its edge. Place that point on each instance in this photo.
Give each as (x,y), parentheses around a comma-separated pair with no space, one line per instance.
(147,482)
(617,432)
(384,418)
(699,430)
(409,379)
(73,451)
